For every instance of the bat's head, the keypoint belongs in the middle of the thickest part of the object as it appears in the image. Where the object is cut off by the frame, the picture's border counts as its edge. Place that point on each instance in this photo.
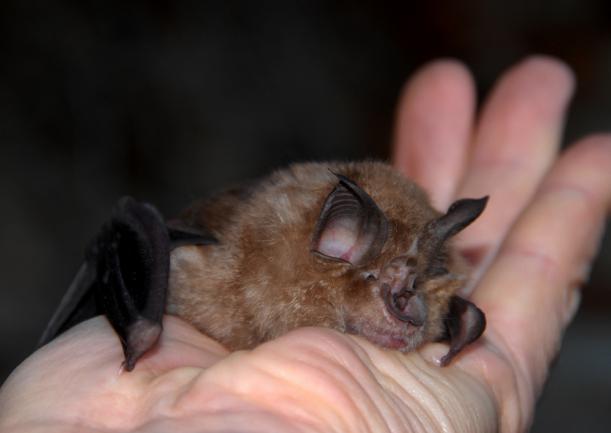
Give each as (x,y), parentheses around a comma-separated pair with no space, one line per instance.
(397,273)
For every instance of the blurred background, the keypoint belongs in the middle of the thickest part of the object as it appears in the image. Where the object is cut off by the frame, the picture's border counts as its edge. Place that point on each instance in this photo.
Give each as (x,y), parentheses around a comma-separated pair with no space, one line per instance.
(169,100)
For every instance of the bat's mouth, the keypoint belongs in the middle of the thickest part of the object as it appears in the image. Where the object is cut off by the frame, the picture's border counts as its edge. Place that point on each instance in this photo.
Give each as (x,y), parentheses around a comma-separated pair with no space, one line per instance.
(398,338)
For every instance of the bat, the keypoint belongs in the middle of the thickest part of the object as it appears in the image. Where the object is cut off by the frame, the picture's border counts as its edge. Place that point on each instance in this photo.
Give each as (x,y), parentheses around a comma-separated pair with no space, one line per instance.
(355,247)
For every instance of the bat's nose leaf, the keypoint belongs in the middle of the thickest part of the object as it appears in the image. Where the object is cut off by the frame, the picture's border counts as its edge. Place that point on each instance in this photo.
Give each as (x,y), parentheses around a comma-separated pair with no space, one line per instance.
(132,255)
(415,309)
(407,307)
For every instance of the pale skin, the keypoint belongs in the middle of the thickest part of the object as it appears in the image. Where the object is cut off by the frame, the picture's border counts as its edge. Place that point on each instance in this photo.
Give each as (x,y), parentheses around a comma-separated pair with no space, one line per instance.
(532,248)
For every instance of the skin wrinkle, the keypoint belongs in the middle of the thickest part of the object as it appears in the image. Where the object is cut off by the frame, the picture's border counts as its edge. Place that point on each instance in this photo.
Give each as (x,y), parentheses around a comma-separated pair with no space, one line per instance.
(179,393)
(224,398)
(401,390)
(60,427)
(428,382)
(544,262)
(356,378)
(333,404)
(395,392)
(393,414)
(363,359)
(325,380)
(410,388)
(349,358)
(506,411)
(257,401)
(382,377)
(476,417)
(413,414)
(446,396)
(513,412)
(228,421)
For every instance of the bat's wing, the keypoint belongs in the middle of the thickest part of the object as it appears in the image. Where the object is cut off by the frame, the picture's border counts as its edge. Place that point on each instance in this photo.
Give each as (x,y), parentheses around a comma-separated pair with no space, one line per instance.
(77,305)
(125,277)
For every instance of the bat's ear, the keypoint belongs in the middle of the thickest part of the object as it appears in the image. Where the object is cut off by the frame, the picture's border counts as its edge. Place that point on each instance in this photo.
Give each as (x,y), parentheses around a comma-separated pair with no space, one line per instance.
(350,227)
(460,214)
(464,324)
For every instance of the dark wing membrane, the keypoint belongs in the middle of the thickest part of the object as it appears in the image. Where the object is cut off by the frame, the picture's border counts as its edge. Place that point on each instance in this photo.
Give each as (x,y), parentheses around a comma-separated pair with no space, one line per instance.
(77,305)
(132,253)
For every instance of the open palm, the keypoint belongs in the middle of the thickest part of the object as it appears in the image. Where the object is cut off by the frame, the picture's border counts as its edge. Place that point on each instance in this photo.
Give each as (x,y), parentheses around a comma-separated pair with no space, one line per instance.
(531,249)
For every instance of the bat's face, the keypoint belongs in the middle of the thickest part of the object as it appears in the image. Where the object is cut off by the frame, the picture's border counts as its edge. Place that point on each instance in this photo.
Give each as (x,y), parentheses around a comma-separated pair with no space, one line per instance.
(397,302)
(396,278)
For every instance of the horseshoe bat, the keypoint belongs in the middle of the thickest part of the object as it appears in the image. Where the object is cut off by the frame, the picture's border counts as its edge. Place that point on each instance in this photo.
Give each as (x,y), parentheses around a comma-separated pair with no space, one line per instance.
(351,246)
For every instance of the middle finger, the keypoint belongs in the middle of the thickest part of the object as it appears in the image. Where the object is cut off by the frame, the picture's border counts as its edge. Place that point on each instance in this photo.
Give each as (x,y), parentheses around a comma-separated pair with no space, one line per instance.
(516,141)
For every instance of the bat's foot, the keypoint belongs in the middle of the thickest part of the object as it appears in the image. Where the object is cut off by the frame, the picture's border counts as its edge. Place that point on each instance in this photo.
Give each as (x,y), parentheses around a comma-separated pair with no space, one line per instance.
(142,335)
(465,324)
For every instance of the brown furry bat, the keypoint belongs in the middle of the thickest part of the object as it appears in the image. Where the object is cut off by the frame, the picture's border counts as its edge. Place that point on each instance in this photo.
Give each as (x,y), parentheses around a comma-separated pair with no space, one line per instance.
(354,247)
(350,246)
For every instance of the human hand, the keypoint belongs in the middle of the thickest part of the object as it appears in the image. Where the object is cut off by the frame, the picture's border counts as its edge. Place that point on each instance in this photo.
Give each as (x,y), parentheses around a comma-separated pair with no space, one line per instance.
(531,247)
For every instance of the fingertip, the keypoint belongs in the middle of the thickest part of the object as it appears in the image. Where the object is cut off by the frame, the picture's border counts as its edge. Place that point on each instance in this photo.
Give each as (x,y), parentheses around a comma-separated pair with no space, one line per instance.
(545,72)
(549,65)
(589,160)
(434,127)
(449,78)
(594,147)
(443,67)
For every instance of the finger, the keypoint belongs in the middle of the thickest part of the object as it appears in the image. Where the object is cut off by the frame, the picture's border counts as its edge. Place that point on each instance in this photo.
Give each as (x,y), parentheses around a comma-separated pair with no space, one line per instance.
(433,128)
(517,139)
(529,292)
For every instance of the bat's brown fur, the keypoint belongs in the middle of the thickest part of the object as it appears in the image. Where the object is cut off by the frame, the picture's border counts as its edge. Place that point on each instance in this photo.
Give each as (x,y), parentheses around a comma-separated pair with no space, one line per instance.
(263,280)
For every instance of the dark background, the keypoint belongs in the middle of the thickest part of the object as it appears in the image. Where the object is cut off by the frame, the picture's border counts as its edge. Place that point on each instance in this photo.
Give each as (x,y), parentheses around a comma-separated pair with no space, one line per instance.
(168,100)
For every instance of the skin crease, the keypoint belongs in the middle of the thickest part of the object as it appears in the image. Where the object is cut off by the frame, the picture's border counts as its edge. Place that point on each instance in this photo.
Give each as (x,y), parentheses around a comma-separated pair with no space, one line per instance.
(318,380)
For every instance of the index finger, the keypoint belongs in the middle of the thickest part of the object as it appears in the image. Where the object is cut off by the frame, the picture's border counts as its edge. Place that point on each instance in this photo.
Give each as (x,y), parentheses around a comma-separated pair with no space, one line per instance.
(433,128)
(516,142)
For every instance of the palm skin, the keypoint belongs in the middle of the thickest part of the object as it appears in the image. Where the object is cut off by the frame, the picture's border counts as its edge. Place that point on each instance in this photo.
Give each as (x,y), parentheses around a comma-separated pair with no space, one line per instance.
(531,250)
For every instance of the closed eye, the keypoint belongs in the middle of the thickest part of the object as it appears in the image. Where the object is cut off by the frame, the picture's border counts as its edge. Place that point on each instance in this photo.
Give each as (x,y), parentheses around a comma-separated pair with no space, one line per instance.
(370,276)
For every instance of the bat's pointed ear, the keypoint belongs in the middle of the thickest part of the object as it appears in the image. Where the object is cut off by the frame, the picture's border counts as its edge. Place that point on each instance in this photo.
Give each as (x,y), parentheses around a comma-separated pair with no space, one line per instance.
(350,227)
(464,324)
(460,214)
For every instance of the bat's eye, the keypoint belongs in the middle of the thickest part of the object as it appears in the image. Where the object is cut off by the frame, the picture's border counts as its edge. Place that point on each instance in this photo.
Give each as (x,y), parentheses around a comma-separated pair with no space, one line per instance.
(370,276)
